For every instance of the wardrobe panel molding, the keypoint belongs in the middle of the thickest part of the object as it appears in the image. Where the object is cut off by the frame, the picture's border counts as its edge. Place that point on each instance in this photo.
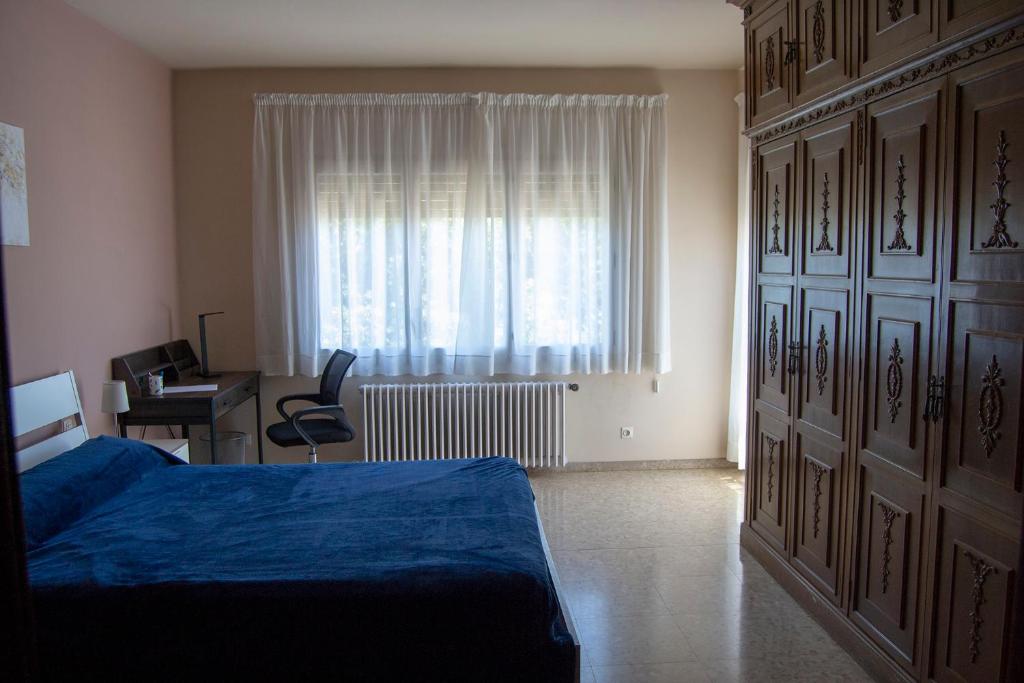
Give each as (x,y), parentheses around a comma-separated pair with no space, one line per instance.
(904,170)
(986,179)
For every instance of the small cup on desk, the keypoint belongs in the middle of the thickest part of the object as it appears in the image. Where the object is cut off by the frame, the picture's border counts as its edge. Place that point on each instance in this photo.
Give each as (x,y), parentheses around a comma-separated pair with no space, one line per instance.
(155,385)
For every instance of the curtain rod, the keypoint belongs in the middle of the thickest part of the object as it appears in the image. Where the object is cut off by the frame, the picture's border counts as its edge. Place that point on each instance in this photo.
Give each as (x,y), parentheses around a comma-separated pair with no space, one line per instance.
(457,99)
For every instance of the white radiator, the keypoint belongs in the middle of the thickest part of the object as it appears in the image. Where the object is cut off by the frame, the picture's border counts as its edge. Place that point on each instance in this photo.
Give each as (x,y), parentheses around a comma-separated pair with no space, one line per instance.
(520,420)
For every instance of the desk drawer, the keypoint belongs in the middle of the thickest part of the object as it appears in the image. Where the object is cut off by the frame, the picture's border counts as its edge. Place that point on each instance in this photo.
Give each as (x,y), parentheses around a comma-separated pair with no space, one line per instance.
(236,396)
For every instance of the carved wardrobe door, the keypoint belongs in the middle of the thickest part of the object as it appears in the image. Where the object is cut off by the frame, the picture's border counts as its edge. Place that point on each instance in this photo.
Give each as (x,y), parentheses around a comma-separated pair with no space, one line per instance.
(975,588)
(899,337)
(823,63)
(893,29)
(768,64)
(826,165)
(773,383)
(891,532)
(776,207)
(771,470)
(902,182)
(980,498)
(988,230)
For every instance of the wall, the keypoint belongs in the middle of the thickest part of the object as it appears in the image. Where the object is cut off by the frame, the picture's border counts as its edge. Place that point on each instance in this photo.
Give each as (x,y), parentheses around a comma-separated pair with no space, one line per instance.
(100,276)
(213,115)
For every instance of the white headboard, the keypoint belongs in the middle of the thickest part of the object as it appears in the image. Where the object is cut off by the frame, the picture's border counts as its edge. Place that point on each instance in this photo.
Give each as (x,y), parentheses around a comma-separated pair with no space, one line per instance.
(42,403)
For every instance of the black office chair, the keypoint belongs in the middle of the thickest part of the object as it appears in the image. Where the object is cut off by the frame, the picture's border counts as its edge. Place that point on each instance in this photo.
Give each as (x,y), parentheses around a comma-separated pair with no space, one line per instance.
(296,430)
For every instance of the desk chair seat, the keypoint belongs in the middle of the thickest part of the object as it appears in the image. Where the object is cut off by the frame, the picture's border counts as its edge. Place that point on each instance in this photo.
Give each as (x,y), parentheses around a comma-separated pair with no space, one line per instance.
(331,424)
(321,431)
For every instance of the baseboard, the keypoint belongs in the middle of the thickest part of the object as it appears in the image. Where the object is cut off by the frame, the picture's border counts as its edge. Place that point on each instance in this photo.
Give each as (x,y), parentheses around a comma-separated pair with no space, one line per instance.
(625,465)
(870,657)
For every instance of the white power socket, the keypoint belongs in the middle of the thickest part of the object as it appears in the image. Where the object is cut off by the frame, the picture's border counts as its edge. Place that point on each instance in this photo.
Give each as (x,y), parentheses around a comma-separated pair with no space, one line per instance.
(625,432)
(67,424)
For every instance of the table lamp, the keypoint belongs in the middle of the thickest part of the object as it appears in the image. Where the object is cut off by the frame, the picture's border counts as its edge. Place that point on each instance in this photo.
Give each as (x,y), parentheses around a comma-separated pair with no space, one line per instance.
(115,399)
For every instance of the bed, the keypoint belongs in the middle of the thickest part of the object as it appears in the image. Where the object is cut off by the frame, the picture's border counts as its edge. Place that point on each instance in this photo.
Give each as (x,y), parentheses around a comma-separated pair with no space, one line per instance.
(143,568)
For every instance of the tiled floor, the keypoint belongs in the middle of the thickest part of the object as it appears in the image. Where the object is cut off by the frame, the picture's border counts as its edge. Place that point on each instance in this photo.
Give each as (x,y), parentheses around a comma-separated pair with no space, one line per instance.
(660,589)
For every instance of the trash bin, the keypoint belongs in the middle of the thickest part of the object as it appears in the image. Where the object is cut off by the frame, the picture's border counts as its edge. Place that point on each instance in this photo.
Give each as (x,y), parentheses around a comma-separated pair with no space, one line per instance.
(230,447)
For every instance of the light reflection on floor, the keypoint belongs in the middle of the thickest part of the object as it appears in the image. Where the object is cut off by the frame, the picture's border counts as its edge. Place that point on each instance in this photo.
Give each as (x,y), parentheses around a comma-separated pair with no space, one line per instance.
(660,589)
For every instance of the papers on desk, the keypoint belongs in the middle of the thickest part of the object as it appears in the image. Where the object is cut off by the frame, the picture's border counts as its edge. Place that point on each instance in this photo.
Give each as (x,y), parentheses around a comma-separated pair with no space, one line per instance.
(188,388)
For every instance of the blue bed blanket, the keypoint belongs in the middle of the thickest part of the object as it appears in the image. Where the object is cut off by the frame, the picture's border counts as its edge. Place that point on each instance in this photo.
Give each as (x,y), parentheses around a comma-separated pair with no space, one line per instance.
(407,571)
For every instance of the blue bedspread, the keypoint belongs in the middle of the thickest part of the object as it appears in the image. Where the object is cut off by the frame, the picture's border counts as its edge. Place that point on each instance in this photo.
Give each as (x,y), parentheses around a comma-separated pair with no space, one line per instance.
(411,571)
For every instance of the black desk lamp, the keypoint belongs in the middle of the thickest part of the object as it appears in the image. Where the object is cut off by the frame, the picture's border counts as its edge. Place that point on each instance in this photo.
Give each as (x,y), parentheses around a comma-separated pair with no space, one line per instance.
(204,368)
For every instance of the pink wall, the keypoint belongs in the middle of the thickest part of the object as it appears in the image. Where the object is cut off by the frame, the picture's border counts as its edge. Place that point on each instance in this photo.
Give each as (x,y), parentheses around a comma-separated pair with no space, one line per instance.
(100,276)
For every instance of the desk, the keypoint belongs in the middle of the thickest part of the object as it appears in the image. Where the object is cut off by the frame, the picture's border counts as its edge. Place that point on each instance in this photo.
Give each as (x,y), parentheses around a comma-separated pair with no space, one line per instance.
(179,366)
(197,407)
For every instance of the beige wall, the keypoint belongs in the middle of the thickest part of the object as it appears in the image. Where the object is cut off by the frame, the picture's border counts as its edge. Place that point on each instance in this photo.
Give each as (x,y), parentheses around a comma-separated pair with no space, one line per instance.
(213,115)
(100,276)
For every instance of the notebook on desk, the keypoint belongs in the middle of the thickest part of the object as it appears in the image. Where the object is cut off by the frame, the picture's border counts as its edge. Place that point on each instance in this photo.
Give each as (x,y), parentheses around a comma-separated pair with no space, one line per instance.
(185,388)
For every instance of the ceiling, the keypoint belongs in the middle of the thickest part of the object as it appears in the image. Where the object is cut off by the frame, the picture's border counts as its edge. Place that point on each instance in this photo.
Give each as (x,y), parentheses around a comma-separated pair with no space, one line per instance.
(581,33)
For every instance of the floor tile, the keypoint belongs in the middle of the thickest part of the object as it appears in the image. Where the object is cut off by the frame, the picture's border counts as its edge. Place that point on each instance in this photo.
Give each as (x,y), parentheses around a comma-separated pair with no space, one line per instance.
(721,593)
(644,639)
(756,633)
(675,672)
(776,669)
(669,562)
(609,598)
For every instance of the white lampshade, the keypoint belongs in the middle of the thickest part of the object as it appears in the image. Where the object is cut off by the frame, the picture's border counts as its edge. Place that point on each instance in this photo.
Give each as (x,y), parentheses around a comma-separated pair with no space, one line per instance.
(115,397)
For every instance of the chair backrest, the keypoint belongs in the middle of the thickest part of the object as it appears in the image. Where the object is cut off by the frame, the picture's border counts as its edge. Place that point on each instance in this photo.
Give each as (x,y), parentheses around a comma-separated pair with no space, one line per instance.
(334,373)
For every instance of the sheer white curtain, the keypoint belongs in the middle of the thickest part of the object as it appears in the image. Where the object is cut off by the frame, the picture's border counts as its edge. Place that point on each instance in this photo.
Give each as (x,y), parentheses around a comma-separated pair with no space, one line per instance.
(461,234)
(740,325)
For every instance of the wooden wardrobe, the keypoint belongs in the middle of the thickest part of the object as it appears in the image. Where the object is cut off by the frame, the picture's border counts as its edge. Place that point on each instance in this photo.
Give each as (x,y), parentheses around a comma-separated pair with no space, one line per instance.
(885,447)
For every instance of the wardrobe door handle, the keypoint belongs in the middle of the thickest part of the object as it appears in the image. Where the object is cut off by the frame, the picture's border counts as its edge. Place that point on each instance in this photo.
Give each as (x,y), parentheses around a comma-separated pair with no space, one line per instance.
(928,399)
(794,358)
(792,51)
(934,403)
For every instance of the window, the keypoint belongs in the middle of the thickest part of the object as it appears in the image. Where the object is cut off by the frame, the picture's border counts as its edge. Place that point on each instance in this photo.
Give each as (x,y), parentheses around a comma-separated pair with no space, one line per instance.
(372,264)
(368,225)
(460,234)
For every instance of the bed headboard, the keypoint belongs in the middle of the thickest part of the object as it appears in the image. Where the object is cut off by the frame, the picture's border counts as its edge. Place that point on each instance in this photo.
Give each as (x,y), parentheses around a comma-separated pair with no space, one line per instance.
(41,403)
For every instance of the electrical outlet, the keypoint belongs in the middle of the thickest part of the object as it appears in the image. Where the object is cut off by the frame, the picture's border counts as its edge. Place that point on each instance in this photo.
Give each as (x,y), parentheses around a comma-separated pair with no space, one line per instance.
(625,432)
(67,424)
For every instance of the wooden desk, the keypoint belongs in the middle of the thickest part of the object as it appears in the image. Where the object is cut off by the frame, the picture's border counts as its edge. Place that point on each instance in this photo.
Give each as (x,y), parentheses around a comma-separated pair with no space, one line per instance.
(176,361)
(197,407)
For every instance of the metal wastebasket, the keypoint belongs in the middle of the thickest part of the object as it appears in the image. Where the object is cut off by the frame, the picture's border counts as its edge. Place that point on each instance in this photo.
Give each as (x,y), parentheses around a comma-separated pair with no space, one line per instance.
(229,447)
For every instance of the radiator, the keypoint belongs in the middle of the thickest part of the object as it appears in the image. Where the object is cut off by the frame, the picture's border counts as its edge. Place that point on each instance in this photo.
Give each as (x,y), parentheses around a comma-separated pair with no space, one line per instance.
(520,420)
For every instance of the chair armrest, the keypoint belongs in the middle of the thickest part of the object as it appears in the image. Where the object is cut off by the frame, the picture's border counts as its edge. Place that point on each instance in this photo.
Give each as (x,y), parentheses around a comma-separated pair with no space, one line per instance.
(334,411)
(311,398)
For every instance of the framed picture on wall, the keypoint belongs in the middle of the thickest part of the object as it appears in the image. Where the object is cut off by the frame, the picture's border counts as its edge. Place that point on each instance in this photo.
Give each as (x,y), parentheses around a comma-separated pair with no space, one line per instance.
(13,186)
